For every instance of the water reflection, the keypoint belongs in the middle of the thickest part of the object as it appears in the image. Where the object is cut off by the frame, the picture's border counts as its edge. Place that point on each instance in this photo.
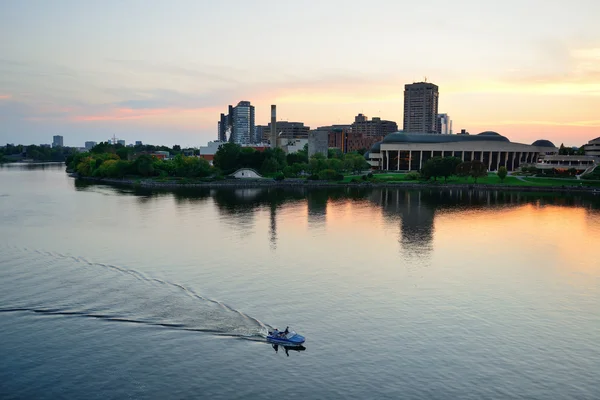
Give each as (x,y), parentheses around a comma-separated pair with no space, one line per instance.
(412,212)
(288,348)
(33,166)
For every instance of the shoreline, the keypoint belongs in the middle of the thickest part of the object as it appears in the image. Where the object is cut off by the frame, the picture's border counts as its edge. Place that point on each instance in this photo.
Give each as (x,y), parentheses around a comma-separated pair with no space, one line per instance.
(267,183)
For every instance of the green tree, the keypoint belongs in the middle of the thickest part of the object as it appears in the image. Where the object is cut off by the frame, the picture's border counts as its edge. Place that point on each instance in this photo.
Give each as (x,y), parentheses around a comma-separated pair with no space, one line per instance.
(317,163)
(478,170)
(433,168)
(227,157)
(448,167)
(335,164)
(143,165)
(502,172)
(329,175)
(269,166)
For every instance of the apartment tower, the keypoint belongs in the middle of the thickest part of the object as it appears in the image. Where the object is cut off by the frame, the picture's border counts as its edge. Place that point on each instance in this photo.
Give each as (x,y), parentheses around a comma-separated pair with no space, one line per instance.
(420,107)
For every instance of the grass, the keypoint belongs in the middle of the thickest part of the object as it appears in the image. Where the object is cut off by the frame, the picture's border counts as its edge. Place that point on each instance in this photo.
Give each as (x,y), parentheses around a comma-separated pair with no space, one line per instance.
(491,179)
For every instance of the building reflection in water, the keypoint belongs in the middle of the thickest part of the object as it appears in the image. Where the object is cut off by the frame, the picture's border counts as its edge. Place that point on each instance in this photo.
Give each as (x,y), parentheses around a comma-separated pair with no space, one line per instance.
(316,201)
(412,211)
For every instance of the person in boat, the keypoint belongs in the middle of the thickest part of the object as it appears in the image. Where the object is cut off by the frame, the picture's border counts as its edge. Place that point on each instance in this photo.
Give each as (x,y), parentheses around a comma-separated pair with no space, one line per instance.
(287,330)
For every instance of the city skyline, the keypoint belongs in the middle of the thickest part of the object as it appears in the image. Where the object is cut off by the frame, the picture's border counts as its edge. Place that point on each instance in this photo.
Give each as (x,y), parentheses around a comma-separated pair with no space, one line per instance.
(159,73)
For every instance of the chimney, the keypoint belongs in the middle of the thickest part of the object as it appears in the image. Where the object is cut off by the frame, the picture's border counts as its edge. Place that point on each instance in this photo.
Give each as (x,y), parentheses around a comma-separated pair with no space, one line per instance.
(273,126)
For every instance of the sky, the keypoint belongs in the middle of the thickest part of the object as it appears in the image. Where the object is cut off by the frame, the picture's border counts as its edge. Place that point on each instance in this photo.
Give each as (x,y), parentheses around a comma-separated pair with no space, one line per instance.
(162,72)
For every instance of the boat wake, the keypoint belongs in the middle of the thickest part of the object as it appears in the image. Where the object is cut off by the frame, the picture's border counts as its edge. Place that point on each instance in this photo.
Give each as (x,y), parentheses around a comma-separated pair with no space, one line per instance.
(49,283)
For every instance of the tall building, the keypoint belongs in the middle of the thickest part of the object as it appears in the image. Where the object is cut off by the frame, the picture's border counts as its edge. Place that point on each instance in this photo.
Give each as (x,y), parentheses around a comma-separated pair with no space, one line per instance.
(373,128)
(420,107)
(57,141)
(90,145)
(138,143)
(238,124)
(443,124)
(224,125)
(121,142)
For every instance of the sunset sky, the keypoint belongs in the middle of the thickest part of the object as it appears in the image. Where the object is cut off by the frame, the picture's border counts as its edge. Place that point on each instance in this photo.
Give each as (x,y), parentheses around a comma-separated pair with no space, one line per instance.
(162,72)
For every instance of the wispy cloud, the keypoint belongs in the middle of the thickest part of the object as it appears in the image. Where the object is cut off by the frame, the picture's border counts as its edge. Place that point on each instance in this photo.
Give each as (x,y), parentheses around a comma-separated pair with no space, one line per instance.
(5,96)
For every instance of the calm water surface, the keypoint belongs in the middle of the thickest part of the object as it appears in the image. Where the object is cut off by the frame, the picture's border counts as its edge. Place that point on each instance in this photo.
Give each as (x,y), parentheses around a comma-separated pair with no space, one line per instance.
(111,293)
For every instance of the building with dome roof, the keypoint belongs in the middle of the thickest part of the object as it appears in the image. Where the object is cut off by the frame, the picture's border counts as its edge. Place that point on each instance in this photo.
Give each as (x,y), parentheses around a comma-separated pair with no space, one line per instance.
(405,151)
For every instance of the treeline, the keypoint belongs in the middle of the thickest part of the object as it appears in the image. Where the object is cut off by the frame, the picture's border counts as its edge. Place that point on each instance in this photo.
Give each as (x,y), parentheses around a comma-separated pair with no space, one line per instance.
(110,165)
(445,167)
(34,152)
(106,160)
(274,162)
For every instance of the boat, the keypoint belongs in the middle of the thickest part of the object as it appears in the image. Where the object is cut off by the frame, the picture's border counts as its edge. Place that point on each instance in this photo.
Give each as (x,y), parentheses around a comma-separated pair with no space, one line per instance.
(286,338)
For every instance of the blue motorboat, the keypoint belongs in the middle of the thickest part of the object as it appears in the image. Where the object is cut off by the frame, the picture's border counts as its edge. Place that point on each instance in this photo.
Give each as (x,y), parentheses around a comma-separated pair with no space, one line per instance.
(286,338)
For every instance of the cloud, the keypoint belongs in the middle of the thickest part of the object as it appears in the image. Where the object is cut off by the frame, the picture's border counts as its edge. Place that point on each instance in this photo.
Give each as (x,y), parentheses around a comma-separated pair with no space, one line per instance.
(5,96)
(214,73)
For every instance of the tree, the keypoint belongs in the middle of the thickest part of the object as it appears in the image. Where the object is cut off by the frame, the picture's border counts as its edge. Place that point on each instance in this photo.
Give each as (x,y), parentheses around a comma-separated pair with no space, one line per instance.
(269,166)
(317,163)
(502,172)
(227,157)
(433,168)
(449,165)
(478,170)
(143,165)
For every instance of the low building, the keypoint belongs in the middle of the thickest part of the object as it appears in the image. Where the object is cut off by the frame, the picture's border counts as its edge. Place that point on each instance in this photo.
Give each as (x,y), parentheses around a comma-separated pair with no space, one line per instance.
(348,141)
(208,152)
(409,151)
(376,127)
(121,142)
(593,148)
(291,145)
(564,163)
(318,141)
(163,155)
(90,145)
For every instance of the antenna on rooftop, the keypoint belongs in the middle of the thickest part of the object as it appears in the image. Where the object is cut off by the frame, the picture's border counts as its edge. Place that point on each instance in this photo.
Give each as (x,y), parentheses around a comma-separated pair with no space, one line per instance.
(425,79)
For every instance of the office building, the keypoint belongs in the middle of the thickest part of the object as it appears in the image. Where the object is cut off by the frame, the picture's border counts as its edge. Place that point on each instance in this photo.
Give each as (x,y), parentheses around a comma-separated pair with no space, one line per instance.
(57,141)
(420,107)
(121,142)
(238,125)
(443,124)
(90,145)
(318,142)
(283,129)
(373,128)
(138,143)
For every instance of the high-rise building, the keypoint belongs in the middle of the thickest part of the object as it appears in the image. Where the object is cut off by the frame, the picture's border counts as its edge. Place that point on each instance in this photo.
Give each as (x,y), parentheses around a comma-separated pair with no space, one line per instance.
(420,107)
(443,124)
(57,141)
(90,145)
(238,124)
(373,128)
(121,142)
(138,143)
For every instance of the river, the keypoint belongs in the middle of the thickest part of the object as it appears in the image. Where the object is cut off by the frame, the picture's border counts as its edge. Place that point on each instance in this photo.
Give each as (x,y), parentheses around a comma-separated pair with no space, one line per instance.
(112,293)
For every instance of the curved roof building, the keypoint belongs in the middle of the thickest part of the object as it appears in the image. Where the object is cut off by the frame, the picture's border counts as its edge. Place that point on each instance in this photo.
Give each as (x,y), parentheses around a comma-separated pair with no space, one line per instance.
(405,151)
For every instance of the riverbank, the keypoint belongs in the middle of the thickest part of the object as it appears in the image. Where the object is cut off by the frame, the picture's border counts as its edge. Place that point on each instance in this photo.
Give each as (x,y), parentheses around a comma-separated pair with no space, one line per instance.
(301,183)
